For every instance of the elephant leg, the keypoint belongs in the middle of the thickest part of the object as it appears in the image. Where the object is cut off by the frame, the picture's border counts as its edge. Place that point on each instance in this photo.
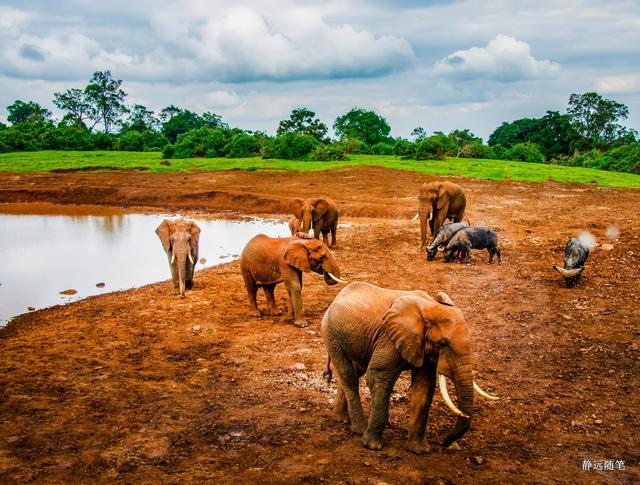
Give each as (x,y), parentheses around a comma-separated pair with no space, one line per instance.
(423,384)
(174,273)
(294,288)
(334,241)
(341,410)
(380,384)
(189,278)
(348,383)
(325,237)
(252,291)
(271,301)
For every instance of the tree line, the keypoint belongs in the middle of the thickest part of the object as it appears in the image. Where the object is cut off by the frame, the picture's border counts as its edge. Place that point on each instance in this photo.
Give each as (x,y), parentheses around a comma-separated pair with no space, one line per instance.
(97,117)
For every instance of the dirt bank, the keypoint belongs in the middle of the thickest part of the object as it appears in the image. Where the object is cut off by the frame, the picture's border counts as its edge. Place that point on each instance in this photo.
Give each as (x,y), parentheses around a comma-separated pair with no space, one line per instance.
(142,386)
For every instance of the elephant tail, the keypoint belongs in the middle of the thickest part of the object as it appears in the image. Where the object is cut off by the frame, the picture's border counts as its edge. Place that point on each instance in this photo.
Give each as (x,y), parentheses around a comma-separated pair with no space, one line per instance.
(327,374)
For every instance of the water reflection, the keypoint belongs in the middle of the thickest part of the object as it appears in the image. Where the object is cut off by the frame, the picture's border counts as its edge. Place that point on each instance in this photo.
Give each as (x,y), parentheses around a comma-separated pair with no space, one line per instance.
(43,255)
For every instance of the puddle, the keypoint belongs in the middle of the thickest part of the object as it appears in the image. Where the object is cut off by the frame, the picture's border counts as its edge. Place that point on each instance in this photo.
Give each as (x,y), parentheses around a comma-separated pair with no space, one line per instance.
(44,255)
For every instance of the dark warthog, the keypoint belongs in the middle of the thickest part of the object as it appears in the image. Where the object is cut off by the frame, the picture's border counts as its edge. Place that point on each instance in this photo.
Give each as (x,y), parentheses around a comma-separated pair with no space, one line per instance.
(469,238)
(443,237)
(576,253)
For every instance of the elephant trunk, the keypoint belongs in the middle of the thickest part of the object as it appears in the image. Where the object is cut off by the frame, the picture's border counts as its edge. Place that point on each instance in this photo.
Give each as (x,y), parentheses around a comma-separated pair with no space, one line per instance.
(306,222)
(331,271)
(182,273)
(463,381)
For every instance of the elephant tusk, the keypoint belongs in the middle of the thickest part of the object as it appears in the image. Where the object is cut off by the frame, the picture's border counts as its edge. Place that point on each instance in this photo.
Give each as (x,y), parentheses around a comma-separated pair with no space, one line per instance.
(477,388)
(335,278)
(430,215)
(442,381)
(190,258)
(173,258)
(415,217)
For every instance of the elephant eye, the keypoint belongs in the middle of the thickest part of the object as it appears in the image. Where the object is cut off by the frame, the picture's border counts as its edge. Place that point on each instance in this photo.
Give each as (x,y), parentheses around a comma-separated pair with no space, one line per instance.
(442,344)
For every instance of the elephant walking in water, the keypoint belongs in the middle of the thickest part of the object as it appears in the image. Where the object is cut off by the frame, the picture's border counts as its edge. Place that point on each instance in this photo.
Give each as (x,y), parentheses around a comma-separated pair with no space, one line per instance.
(321,214)
(180,240)
(437,202)
(382,332)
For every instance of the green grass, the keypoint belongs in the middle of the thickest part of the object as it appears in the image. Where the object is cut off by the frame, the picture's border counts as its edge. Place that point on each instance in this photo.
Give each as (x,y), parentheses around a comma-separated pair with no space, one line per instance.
(474,168)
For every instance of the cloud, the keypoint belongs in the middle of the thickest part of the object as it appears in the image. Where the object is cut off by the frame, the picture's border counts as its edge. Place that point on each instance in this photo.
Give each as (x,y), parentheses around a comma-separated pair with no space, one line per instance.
(504,60)
(624,83)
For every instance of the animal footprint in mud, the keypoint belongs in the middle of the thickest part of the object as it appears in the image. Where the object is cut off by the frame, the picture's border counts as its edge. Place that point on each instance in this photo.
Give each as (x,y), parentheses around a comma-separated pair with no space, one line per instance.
(68,292)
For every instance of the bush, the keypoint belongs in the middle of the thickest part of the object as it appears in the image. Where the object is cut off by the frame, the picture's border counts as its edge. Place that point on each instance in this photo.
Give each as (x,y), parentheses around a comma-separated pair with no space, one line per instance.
(289,146)
(625,158)
(526,152)
(404,148)
(325,153)
(67,137)
(168,151)
(130,141)
(432,148)
(477,150)
(103,141)
(382,148)
(201,142)
(243,145)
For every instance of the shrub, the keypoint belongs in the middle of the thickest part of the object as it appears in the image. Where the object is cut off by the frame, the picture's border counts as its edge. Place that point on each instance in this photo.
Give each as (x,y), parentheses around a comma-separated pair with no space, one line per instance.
(382,148)
(432,148)
(325,153)
(404,148)
(200,142)
(289,146)
(168,151)
(130,141)
(476,150)
(103,141)
(526,152)
(242,145)
(66,137)
(355,146)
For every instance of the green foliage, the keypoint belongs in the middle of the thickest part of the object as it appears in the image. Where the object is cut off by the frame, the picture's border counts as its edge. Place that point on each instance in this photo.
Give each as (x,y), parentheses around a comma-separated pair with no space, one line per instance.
(432,148)
(382,148)
(181,121)
(140,141)
(596,119)
(243,145)
(418,134)
(140,119)
(106,99)
(201,142)
(360,124)
(460,139)
(404,148)
(476,149)
(78,108)
(355,146)
(29,112)
(303,122)
(67,138)
(526,152)
(325,153)
(289,146)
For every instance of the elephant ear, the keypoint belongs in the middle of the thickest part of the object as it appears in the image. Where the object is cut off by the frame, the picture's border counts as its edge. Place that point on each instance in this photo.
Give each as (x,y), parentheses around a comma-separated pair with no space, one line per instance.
(443,298)
(320,207)
(406,327)
(195,238)
(296,207)
(164,233)
(297,255)
(443,197)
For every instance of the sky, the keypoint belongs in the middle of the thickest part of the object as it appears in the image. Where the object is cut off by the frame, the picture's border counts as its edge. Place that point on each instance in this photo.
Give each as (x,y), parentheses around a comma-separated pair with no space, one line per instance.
(438,64)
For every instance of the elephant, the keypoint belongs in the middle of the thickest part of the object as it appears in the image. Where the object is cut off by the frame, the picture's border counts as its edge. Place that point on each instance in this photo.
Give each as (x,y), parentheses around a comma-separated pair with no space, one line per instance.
(576,253)
(294,225)
(383,332)
(267,261)
(320,213)
(180,240)
(437,202)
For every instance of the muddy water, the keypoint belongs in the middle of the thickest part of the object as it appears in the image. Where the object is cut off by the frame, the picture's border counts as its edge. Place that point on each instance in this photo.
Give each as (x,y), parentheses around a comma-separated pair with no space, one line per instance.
(43,255)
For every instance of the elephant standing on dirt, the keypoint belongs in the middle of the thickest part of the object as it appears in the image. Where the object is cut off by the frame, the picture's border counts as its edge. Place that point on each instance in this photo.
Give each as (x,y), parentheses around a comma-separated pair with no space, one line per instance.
(267,261)
(180,240)
(383,332)
(437,202)
(321,214)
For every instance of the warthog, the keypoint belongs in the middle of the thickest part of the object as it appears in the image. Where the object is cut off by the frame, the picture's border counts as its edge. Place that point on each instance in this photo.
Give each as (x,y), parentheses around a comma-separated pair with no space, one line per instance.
(576,253)
(443,237)
(469,238)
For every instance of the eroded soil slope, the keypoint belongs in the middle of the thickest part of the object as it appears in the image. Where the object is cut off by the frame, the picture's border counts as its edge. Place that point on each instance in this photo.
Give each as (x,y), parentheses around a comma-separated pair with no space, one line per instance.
(142,386)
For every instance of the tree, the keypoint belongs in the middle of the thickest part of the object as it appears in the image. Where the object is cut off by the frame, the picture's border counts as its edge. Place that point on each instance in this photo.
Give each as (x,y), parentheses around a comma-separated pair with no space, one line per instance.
(141,119)
(106,99)
(367,126)
(180,122)
(29,112)
(303,122)
(418,133)
(596,118)
(77,106)
(169,112)
(213,120)
(462,138)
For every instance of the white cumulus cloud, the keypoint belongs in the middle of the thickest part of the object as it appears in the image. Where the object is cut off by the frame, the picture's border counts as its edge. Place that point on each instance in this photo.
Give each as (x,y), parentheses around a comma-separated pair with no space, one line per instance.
(504,59)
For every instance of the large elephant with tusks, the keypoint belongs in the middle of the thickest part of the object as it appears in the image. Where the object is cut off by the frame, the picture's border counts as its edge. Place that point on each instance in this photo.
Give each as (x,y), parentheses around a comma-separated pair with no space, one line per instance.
(439,201)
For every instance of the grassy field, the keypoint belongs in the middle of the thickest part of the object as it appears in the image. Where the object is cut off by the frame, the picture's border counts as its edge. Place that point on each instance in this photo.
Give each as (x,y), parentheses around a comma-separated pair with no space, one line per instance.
(475,168)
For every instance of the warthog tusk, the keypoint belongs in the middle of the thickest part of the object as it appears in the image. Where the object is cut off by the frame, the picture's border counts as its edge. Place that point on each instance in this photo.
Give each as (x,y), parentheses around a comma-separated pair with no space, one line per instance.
(415,217)
(173,258)
(442,381)
(568,273)
(477,388)
(335,278)
(191,258)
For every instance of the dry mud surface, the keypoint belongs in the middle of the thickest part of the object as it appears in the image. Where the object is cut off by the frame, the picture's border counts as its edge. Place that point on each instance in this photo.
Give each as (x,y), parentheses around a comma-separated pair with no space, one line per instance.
(142,386)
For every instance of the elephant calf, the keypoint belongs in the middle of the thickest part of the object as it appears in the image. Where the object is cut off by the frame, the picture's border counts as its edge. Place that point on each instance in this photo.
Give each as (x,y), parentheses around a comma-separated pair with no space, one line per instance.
(576,253)
(443,237)
(294,225)
(180,240)
(267,261)
(320,213)
(382,332)
(469,238)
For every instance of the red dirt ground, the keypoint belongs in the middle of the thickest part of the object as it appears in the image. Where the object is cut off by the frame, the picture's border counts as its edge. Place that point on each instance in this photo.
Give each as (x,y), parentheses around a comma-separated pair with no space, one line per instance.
(142,386)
